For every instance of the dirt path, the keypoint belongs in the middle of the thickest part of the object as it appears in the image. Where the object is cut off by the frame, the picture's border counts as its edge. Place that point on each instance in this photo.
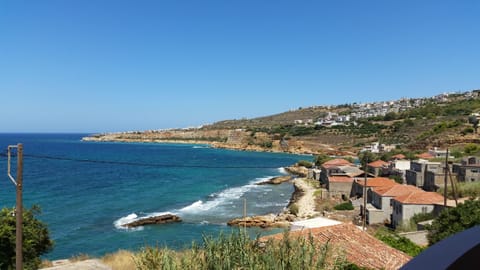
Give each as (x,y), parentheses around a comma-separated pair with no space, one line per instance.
(306,203)
(82,265)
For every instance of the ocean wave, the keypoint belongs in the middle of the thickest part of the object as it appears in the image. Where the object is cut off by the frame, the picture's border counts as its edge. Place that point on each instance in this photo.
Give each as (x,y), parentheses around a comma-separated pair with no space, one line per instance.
(200,147)
(282,170)
(224,197)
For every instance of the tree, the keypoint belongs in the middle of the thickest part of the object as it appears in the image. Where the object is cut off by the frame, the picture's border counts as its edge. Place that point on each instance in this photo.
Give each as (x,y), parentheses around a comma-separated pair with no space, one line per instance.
(366,157)
(322,158)
(472,119)
(36,239)
(454,220)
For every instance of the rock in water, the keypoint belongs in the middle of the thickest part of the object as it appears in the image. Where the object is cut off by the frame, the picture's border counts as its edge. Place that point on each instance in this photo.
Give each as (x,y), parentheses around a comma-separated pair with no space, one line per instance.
(167,218)
(276,180)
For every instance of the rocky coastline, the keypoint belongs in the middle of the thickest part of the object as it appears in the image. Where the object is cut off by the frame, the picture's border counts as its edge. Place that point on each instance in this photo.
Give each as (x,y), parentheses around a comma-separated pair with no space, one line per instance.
(303,201)
(239,140)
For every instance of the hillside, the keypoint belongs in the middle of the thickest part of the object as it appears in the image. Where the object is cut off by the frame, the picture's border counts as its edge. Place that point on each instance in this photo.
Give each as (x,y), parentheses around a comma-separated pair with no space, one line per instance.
(411,124)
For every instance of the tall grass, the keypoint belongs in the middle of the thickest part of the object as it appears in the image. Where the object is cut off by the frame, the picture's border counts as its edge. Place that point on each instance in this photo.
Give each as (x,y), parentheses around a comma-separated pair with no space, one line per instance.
(466,189)
(238,251)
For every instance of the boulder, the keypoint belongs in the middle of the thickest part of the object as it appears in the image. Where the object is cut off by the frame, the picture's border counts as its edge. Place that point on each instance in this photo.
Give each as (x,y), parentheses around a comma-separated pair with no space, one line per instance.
(276,180)
(167,218)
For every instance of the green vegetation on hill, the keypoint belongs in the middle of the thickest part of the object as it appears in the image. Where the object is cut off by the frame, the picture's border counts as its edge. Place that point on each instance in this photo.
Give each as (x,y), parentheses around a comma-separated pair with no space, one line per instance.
(428,123)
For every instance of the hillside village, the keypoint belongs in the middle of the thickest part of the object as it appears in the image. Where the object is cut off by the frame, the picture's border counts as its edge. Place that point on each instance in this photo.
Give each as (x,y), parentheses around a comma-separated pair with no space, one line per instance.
(398,189)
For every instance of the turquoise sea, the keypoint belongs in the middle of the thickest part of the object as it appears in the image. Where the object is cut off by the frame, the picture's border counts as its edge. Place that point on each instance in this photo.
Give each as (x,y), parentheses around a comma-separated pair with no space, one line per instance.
(84,203)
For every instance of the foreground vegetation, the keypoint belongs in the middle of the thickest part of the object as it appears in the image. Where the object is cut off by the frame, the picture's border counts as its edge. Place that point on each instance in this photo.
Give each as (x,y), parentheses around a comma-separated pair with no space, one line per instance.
(398,242)
(454,220)
(237,251)
(36,238)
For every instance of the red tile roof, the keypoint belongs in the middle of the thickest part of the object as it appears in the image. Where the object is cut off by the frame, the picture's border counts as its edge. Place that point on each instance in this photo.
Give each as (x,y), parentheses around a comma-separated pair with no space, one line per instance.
(425,155)
(377,182)
(358,246)
(336,162)
(421,197)
(396,190)
(340,179)
(399,156)
(378,164)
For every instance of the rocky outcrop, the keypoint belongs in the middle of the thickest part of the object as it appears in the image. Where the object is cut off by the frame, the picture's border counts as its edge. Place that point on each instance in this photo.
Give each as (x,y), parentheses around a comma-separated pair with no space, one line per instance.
(167,218)
(297,170)
(276,180)
(266,221)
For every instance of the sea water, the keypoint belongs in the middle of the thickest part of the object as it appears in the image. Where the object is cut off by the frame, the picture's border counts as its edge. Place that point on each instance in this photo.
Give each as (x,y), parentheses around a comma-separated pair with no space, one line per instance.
(85,203)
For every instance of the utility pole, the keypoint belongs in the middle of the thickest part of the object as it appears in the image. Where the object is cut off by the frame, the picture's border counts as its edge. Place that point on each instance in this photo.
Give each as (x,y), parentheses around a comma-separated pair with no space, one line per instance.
(445,183)
(19,204)
(365,197)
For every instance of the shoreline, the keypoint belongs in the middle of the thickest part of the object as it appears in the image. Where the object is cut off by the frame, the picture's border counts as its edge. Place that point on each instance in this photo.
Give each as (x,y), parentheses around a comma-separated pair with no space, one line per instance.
(212,144)
(302,197)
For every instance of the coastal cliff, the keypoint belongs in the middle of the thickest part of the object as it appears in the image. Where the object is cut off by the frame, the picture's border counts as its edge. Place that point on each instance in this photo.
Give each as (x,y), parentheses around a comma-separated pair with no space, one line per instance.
(236,139)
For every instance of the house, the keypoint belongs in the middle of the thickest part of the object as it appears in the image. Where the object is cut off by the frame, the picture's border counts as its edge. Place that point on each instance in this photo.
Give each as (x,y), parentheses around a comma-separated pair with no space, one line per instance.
(434,180)
(398,157)
(376,168)
(437,153)
(340,186)
(332,167)
(358,247)
(406,206)
(359,185)
(468,170)
(425,155)
(380,209)
(416,174)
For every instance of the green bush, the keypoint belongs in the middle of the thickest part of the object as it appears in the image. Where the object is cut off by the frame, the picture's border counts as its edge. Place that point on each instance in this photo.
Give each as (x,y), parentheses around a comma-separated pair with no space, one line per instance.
(453,220)
(293,209)
(305,163)
(344,206)
(398,242)
(36,239)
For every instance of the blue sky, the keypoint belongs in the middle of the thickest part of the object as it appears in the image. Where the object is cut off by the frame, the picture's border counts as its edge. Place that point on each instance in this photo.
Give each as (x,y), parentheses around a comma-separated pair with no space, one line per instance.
(111,65)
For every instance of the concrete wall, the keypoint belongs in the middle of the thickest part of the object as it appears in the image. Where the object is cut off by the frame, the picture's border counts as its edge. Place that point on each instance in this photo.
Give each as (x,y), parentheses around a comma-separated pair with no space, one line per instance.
(418,237)
(402,213)
(375,216)
(340,188)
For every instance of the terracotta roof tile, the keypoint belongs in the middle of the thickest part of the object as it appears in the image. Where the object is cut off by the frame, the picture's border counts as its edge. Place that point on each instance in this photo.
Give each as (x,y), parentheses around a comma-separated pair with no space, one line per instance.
(425,155)
(420,197)
(396,190)
(336,162)
(377,182)
(359,247)
(340,179)
(378,164)
(399,156)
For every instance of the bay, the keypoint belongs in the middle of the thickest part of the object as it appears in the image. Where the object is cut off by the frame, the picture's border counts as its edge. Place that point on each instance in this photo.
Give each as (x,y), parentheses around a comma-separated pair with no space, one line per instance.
(83,203)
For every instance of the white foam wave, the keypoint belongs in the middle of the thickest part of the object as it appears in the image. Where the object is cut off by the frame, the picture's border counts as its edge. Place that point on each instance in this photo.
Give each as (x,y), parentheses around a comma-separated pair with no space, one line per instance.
(224,197)
(124,220)
(200,147)
(282,170)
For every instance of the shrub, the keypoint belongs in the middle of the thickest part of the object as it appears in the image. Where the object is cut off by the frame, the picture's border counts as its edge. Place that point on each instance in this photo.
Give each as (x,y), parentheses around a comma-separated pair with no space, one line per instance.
(293,209)
(454,220)
(344,206)
(305,163)
(398,242)
(36,239)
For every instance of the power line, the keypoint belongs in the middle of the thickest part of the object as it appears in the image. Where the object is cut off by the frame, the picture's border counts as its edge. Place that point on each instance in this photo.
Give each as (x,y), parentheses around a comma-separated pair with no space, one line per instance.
(142,164)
